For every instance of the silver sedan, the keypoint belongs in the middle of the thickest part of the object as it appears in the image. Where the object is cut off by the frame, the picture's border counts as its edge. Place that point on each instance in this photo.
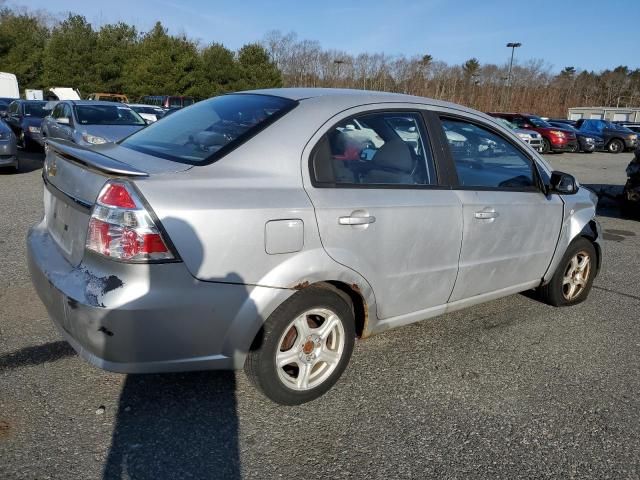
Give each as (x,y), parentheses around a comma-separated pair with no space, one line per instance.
(267,230)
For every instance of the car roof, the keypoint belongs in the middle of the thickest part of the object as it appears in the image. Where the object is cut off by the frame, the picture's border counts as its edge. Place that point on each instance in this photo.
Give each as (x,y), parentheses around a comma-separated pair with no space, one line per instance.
(352,97)
(143,105)
(95,102)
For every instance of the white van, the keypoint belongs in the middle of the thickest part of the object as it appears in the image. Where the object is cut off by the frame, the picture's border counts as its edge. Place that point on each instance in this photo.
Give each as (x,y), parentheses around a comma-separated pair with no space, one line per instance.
(62,93)
(9,85)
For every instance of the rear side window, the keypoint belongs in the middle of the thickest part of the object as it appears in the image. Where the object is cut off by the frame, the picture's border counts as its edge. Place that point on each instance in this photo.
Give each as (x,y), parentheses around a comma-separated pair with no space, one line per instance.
(382,148)
(485,159)
(209,129)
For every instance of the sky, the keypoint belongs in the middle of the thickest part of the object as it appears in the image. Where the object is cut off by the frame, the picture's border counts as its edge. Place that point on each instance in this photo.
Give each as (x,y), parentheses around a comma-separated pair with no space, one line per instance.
(585,34)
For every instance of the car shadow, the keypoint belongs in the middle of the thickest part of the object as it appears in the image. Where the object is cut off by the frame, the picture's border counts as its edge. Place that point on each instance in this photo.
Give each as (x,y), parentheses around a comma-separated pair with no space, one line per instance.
(178,425)
(49,352)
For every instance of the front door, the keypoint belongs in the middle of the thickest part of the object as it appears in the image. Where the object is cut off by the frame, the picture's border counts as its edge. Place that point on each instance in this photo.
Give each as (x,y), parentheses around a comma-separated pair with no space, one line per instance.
(511,227)
(382,212)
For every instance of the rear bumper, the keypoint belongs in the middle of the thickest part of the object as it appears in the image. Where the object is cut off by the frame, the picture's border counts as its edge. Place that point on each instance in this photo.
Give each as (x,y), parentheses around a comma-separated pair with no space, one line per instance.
(8,153)
(143,318)
(8,160)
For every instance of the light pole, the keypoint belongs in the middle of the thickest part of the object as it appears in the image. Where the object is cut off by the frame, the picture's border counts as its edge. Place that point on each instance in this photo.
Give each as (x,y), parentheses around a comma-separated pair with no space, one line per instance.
(339,62)
(512,46)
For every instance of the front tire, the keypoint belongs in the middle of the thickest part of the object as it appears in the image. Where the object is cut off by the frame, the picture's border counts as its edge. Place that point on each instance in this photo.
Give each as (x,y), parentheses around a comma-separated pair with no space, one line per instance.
(573,278)
(615,146)
(306,345)
(546,146)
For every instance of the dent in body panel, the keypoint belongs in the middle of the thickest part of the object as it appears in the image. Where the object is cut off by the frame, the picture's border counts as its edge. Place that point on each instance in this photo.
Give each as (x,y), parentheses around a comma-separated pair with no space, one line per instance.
(579,214)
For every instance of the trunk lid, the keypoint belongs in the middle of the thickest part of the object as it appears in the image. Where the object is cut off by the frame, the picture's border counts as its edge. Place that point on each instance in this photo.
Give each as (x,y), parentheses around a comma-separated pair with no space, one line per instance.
(73,177)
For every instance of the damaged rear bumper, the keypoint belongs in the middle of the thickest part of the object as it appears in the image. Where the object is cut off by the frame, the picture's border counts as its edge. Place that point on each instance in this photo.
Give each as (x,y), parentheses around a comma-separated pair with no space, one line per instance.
(140,318)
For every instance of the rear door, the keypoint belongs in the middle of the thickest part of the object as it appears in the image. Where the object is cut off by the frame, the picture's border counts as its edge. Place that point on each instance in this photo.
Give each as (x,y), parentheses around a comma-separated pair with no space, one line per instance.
(511,227)
(382,210)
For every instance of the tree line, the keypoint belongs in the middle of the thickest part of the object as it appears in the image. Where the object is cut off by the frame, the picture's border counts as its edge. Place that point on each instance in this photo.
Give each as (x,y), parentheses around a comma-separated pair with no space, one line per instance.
(531,87)
(118,58)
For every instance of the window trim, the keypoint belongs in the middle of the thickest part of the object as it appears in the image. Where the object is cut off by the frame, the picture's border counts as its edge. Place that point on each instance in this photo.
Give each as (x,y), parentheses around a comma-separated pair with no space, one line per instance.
(448,157)
(424,129)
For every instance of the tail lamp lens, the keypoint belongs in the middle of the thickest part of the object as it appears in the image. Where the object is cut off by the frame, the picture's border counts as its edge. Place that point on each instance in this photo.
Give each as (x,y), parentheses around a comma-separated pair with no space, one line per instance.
(121,227)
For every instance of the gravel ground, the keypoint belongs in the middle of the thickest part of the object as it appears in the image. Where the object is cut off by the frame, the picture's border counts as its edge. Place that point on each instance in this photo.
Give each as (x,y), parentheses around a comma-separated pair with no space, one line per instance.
(509,389)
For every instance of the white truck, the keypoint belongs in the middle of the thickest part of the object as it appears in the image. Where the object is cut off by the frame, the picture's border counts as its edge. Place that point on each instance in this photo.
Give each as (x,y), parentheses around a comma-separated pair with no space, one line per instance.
(9,85)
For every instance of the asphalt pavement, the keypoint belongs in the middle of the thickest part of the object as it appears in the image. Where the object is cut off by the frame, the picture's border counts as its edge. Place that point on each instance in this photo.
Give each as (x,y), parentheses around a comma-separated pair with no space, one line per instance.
(509,389)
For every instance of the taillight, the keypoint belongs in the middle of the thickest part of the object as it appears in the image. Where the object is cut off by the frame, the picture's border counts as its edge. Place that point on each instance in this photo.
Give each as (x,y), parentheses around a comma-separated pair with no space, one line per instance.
(121,227)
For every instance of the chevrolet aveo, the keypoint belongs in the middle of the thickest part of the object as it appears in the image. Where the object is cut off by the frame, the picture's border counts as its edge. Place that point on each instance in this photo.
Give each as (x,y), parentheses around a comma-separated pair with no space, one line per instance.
(266,230)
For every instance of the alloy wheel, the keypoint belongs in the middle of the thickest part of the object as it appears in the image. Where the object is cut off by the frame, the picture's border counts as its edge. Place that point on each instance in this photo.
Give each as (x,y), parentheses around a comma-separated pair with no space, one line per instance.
(576,275)
(310,349)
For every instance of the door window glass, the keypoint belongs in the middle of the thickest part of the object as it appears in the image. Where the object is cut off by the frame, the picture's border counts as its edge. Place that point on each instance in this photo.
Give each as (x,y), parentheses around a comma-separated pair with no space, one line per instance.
(57,111)
(383,148)
(486,159)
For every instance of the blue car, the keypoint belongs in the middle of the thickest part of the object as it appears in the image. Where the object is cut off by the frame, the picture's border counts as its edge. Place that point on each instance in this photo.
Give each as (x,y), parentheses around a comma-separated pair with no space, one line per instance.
(25,119)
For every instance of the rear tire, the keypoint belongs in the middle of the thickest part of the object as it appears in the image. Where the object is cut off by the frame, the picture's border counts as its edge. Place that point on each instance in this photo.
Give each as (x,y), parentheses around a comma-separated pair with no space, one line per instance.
(306,345)
(572,280)
(615,146)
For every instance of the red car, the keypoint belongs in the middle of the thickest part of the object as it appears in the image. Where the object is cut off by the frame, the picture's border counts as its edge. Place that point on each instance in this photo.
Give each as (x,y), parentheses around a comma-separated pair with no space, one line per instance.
(554,139)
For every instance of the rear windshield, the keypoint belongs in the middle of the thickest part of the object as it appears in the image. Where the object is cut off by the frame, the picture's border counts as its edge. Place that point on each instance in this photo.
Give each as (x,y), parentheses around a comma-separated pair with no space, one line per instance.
(209,129)
(107,115)
(35,109)
(538,122)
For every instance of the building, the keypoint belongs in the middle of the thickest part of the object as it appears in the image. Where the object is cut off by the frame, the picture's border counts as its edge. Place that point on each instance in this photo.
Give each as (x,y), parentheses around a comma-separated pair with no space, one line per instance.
(614,114)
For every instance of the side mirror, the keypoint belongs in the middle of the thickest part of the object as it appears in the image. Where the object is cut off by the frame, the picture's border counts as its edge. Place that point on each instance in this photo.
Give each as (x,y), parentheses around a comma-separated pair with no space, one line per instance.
(63,121)
(4,114)
(562,183)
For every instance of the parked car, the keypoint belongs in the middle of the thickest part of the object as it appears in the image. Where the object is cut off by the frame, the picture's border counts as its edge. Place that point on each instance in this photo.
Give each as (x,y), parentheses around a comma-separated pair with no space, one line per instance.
(109,97)
(554,139)
(561,120)
(237,233)
(25,119)
(616,138)
(4,105)
(528,136)
(633,126)
(631,191)
(8,148)
(587,142)
(149,112)
(167,101)
(89,122)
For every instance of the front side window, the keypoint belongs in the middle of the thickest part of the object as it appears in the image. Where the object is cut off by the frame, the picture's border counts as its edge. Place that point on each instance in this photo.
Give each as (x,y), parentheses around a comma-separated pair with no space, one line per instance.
(485,159)
(66,111)
(107,115)
(58,110)
(208,129)
(175,102)
(14,107)
(382,148)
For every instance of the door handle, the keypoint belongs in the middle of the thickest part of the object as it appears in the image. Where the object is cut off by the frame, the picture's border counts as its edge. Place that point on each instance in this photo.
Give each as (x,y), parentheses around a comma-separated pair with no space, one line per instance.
(487,214)
(356,220)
